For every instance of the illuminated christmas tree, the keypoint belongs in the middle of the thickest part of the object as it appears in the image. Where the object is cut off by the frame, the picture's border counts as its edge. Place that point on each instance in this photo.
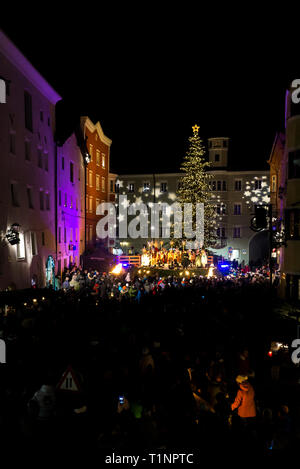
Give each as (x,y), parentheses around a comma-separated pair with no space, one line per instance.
(194,186)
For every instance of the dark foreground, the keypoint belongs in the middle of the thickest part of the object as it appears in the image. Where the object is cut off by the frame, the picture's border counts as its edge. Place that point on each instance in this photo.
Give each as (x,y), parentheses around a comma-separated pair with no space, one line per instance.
(173,355)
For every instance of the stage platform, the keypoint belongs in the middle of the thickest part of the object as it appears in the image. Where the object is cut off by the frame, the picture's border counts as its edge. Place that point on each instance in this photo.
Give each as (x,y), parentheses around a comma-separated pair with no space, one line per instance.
(178,272)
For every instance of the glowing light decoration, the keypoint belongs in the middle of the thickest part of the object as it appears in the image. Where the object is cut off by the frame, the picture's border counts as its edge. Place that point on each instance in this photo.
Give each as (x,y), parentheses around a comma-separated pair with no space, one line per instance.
(211,271)
(117,269)
(258,194)
(145,260)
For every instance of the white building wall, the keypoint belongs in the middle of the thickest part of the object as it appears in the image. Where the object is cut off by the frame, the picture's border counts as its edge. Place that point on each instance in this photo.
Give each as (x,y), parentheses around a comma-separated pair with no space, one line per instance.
(229,197)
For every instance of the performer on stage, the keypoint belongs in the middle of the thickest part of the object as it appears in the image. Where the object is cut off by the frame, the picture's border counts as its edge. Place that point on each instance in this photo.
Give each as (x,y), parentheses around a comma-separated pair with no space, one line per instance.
(203,258)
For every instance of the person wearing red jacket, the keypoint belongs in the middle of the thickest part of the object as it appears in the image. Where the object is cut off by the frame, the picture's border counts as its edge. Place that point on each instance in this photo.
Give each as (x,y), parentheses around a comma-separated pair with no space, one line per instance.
(244,401)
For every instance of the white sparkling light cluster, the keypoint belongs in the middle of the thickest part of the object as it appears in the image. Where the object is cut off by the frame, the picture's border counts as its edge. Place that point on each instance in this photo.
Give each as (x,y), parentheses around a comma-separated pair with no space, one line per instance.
(257,196)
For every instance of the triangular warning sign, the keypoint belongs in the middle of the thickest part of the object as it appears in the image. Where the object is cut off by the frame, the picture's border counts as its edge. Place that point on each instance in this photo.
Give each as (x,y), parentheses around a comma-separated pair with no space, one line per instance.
(69,381)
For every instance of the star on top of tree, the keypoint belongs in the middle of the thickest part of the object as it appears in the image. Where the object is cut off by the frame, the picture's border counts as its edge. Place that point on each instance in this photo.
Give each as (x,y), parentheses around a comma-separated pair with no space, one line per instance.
(195,129)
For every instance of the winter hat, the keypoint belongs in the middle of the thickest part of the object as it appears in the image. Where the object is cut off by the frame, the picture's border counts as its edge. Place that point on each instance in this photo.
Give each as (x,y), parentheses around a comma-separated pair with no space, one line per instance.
(241,379)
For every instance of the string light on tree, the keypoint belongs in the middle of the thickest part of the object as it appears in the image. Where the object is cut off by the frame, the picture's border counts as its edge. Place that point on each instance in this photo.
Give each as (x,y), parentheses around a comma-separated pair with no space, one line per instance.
(194,185)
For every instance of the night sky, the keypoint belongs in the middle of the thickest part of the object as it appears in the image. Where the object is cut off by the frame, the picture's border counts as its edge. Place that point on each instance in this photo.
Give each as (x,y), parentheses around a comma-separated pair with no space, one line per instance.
(148,80)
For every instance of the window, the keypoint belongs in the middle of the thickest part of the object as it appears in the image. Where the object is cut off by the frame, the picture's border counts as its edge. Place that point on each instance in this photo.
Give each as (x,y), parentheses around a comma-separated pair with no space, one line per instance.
(238,185)
(46,161)
(103,160)
(97,157)
(274,183)
(40,158)
(97,203)
(292,218)
(29,197)
(111,185)
(103,184)
(28,110)
(76,234)
(294,164)
(12,143)
(163,187)
(59,198)
(43,238)
(219,185)
(224,143)
(217,157)
(76,204)
(97,182)
(91,204)
(71,172)
(41,199)
(91,232)
(41,116)
(91,178)
(62,163)
(33,243)
(146,186)
(59,234)
(221,209)
(66,200)
(91,152)
(71,201)
(257,184)
(48,121)
(224,186)
(236,232)
(27,150)
(71,235)
(21,247)
(214,185)
(221,232)
(237,208)
(131,187)
(14,194)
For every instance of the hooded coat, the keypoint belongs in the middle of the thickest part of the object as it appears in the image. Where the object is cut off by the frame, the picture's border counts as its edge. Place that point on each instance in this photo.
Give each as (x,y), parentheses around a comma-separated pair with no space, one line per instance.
(244,401)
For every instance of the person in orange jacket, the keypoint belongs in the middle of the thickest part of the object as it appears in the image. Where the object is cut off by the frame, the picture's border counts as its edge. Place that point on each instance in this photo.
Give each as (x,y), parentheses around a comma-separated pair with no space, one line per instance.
(244,401)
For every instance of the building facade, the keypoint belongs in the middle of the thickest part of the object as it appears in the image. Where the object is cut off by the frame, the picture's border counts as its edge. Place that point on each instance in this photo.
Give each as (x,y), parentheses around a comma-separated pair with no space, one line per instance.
(288,199)
(27,176)
(235,194)
(70,204)
(97,180)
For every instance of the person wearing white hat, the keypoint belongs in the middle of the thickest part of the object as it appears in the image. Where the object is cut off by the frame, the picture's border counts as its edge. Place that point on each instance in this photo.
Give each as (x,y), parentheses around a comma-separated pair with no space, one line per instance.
(244,401)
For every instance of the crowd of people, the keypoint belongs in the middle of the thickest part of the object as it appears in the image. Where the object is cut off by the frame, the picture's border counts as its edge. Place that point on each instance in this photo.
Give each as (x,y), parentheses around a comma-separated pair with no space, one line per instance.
(170,362)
